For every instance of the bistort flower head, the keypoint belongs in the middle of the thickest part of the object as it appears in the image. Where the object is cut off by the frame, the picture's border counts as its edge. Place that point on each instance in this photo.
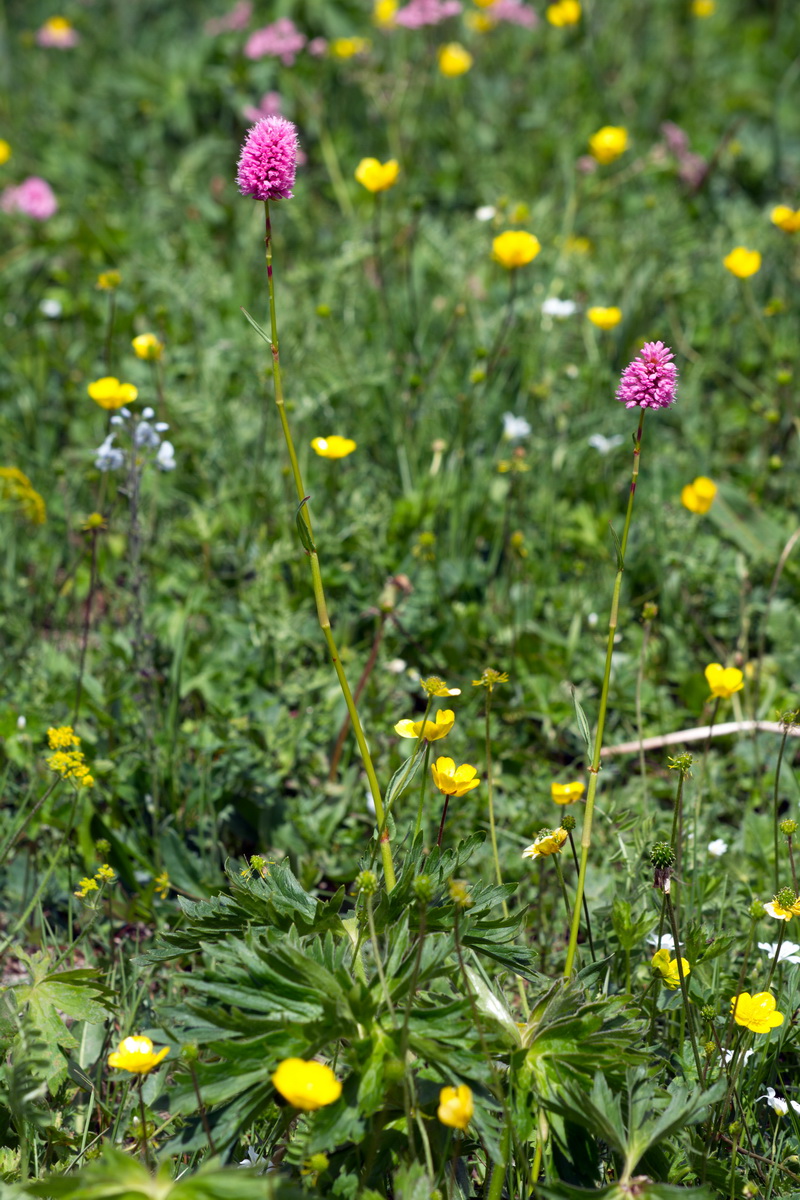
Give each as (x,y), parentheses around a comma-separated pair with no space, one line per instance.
(268,160)
(136,1054)
(699,496)
(455,1106)
(433,730)
(452,780)
(333,446)
(567,793)
(306,1084)
(723,681)
(546,844)
(376,176)
(757,1013)
(650,380)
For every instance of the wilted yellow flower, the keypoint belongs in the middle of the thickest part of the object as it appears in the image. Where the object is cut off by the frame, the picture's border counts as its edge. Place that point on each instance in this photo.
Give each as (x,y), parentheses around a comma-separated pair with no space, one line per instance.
(452,780)
(148,346)
(435,686)
(376,176)
(307,1085)
(546,844)
(567,793)
(349,47)
(383,13)
(723,681)
(668,968)
(434,730)
(107,281)
(333,446)
(703,8)
(5,151)
(604,318)
(109,393)
(757,1013)
(515,248)
(575,244)
(490,678)
(699,496)
(608,143)
(455,1106)
(565,12)
(742,262)
(136,1054)
(454,59)
(785,218)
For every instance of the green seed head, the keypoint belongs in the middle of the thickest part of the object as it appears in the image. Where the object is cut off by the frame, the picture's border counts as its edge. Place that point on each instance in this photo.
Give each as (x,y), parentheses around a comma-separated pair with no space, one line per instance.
(366,882)
(662,855)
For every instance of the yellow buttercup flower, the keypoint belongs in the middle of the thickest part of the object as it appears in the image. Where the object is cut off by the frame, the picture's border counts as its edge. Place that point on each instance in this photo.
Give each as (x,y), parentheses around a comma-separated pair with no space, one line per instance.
(566,12)
(757,1013)
(699,496)
(307,1085)
(349,47)
(723,681)
(333,446)
(703,8)
(383,13)
(515,248)
(567,793)
(454,59)
(742,262)
(546,844)
(668,968)
(608,143)
(435,686)
(604,318)
(109,393)
(452,780)
(107,281)
(434,730)
(455,1106)
(376,176)
(785,218)
(136,1054)
(148,346)
(5,151)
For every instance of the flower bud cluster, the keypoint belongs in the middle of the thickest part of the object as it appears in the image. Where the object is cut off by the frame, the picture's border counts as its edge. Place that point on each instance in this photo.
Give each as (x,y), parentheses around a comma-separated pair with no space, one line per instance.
(143,434)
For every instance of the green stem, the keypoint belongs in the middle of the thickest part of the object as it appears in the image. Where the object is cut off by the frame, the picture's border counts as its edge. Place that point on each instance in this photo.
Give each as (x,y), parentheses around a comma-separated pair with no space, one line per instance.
(418,822)
(776,955)
(594,770)
(492,828)
(775,807)
(17,833)
(684,989)
(143,1119)
(316,576)
(585,902)
(563,886)
(499,1169)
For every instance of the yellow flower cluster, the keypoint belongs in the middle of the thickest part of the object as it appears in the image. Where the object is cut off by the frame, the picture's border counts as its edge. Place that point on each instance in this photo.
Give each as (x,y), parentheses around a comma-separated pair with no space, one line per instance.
(699,496)
(383,13)
(67,761)
(85,886)
(5,151)
(349,47)
(108,281)
(18,489)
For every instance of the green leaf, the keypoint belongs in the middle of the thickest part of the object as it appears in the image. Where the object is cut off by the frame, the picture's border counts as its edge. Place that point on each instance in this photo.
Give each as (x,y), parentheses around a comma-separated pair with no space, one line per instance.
(583,724)
(261,333)
(302,527)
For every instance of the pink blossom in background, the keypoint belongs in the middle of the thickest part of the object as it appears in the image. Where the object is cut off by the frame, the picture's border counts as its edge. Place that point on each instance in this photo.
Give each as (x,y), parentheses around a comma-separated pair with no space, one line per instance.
(268,106)
(233,22)
(33,197)
(418,13)
(57,34)
(586,164)
(650,380)
(268,160)
(515,12)
(281,40)
(318,46)
(677,139)
(692,168)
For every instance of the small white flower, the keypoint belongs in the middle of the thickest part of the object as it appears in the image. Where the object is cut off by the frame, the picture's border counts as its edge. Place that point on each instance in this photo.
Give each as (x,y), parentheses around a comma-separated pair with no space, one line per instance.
(727,1056)
(788,951)
(146,436)
(717,848)
(515,427)
(165,459)
(109,458)
(396,666)
(148,414)
(604,445)
(667,941)
(116,420)
(370,803)
(553,307)
(21,722)
(486,212)
(51,308)
(778,1104)
(592,620)
(161,427)
(125,412)
(779,916)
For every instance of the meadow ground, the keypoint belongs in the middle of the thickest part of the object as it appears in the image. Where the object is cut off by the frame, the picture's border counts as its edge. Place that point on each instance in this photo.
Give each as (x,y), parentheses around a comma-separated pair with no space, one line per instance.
(529,931)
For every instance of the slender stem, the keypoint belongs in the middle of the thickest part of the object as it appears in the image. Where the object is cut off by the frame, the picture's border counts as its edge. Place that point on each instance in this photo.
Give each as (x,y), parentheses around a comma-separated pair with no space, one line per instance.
(376,950)
(201,1106)
(775,807)
(87,624)
(776,955)
(791,862)
(316,576)
(490,789)
(441,823)
(563,887)
(143,1118)
(420,807)
(499,1169)
(16,834)
(684,989)
(594,770)
(648,625)
(585,902)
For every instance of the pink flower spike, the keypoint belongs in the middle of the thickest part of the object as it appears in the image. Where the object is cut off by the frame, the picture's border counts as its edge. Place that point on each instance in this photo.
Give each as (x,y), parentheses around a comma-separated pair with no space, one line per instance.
(650,380)
(268,161)
(237,19)
(282,39)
